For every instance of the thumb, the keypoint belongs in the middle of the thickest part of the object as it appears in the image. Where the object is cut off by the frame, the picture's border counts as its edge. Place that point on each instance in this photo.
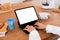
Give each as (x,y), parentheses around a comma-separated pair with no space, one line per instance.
(24,29)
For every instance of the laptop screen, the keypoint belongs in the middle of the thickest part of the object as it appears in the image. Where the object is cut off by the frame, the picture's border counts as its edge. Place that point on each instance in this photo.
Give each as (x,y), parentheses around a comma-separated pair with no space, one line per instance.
(26,15)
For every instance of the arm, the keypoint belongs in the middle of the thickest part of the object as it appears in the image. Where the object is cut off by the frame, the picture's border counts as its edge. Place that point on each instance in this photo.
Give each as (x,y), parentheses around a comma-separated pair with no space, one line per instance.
(34,35)
(49,28)
(53,29)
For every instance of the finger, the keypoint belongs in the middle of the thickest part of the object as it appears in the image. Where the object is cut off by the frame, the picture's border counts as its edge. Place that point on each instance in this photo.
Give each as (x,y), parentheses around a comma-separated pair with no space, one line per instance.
(36,23)
(24,29)
(35,26)
(27,26)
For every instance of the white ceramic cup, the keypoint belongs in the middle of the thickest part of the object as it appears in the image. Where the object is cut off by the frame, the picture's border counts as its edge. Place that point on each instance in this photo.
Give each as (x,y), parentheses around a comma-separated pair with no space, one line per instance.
(44,15)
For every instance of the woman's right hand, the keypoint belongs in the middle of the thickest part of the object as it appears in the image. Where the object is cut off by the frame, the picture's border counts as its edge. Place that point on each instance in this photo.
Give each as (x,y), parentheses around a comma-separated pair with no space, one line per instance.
(40,25)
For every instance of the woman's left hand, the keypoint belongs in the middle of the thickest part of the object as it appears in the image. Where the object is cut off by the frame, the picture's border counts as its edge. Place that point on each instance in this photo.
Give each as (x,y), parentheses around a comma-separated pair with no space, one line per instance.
(29,28)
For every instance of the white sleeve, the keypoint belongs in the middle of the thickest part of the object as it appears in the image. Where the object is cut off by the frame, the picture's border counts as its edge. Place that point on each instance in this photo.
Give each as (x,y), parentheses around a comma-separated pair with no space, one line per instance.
(58,39)
(53,29)
(34,35)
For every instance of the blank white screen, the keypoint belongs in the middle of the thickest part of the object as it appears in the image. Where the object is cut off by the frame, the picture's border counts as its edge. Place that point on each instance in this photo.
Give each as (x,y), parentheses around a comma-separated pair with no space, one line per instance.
(26,15)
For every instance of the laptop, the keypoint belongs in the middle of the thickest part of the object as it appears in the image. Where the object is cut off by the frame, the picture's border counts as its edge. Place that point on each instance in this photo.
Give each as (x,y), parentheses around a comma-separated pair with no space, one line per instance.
(26,16)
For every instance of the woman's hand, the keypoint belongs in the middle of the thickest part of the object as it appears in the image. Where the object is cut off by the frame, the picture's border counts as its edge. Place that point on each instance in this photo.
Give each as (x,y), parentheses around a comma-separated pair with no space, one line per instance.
(40,25)
(29,28)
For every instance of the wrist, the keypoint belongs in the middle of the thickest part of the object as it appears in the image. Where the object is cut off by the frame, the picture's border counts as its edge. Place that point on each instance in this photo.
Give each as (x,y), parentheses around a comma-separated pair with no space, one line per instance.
(32,30)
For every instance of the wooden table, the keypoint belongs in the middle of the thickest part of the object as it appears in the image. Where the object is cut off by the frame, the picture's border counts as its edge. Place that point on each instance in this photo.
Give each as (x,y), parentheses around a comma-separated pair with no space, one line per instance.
(17,33)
